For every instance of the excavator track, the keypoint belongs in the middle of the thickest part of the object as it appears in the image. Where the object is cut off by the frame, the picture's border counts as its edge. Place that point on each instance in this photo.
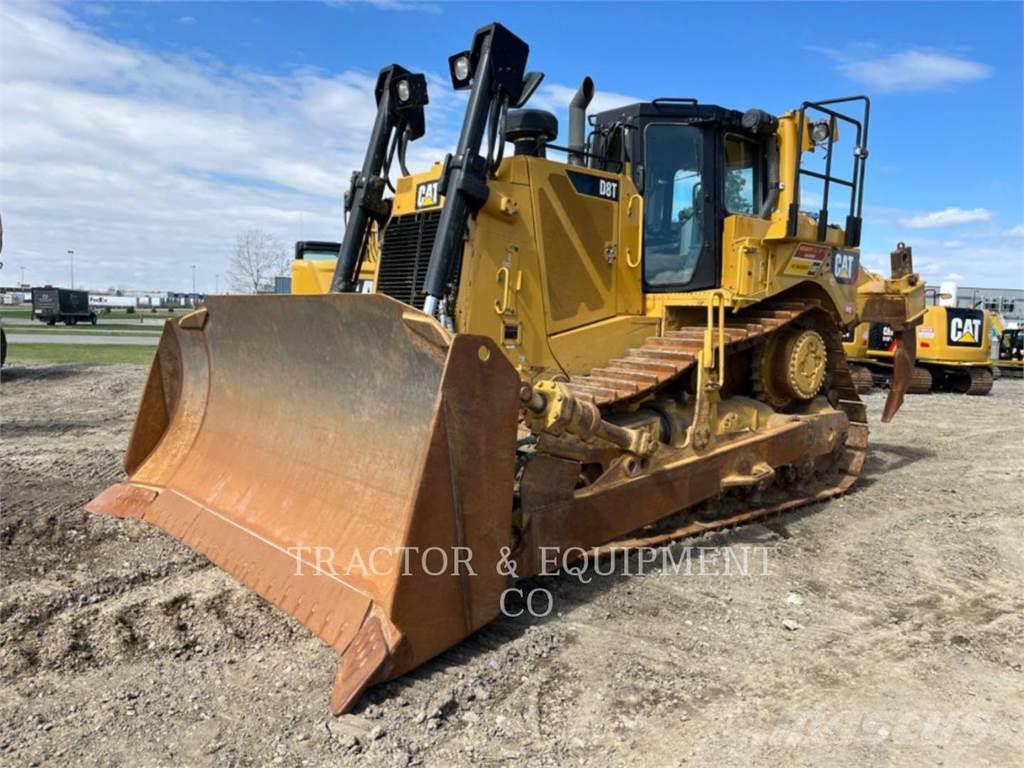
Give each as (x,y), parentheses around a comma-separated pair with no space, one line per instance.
(921,381)
(663,361)
(981,381)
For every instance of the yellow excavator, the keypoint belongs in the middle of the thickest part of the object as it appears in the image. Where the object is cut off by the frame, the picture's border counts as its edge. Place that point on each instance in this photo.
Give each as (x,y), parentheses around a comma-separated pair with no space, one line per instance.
(953,352)
(635,344)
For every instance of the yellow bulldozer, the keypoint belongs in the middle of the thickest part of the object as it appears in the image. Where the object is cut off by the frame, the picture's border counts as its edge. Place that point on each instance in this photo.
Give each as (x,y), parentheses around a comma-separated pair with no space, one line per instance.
(953,352)
(636,343)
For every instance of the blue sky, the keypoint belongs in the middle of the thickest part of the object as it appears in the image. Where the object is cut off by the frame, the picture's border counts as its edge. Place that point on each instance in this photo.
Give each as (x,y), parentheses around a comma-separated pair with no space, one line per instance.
(146,136)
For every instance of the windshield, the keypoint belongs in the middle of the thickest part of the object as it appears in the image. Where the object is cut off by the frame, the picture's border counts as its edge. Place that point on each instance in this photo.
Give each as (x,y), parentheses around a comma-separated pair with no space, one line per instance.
(318,254)
(673,206)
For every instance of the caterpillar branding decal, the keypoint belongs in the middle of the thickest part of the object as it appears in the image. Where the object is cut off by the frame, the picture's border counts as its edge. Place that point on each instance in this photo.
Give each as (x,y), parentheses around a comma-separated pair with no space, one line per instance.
(426,195)
(964,327)
(594,186)
(844,266)
(806,259)
(881,338)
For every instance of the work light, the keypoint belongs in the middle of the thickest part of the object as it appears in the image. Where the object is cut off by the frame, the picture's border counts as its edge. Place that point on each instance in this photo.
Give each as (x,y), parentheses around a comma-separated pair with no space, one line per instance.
(821,131)
(402,89)
(461,67)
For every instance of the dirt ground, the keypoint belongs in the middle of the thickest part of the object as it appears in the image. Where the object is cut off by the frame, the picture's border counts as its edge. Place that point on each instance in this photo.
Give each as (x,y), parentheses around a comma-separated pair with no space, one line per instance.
(883,628)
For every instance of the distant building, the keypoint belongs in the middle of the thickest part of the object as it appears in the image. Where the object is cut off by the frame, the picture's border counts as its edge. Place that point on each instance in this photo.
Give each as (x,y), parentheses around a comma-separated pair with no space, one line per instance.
(282,285)
(1008,302)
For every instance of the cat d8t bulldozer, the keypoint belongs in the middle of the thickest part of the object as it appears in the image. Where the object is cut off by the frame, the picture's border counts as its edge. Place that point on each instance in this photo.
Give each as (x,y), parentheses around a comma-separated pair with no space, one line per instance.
(626,347)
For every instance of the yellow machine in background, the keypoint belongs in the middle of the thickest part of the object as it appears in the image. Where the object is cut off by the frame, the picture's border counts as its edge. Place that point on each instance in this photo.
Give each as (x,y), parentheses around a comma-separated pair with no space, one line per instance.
(1009,356)
(634,345)
(316,260)
(953,352)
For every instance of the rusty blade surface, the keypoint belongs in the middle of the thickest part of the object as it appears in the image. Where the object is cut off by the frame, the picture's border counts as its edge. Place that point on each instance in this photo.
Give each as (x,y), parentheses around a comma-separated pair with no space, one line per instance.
(307,444)
(904,359)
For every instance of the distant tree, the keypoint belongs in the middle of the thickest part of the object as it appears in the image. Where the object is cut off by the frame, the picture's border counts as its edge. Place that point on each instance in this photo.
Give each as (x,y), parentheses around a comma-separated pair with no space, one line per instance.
(258,258)
(737,198)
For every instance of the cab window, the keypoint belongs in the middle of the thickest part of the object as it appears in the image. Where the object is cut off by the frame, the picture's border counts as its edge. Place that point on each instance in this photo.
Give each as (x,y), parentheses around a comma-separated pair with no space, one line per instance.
(742,180)
(673,204)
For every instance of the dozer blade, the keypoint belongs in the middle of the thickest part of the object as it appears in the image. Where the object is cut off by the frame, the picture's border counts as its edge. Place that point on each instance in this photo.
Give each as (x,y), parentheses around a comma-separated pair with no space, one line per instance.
(903,361)
(333,453)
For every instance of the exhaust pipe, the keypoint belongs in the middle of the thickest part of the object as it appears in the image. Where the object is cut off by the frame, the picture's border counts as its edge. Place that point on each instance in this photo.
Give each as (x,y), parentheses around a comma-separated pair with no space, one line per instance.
(577,121)
(772,198)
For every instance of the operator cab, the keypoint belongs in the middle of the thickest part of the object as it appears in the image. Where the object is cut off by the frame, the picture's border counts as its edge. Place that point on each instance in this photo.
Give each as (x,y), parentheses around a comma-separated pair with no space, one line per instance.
(695,164)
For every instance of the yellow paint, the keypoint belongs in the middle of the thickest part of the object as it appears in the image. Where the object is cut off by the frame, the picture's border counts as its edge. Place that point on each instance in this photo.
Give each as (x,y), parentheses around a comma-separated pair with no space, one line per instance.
(933,341)
(555,277)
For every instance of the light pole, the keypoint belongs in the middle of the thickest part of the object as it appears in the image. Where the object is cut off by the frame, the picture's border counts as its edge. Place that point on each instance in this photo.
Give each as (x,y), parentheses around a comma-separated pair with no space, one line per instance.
(72,255)
(22,275)
(216,284)
(193,283)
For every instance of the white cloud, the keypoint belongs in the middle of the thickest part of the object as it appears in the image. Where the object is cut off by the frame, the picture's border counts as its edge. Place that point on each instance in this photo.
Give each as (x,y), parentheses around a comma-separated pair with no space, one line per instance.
(393,5)
(1017,231)
(955,277)
(556,98)
(917,70)
(947,217)
(145,164)
(953,244)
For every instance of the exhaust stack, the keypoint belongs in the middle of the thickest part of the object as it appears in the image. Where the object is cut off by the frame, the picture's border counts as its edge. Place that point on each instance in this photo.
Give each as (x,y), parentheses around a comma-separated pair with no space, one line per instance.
(577,121)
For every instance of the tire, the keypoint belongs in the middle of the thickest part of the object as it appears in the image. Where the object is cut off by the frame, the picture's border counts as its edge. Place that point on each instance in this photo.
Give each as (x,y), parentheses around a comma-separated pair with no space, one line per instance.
(51,321)
(92,318)
(67,321)
(3,347)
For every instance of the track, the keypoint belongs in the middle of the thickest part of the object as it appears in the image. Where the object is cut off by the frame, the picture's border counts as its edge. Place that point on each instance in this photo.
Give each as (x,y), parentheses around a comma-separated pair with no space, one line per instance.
(664,360)
(920,381)
(981,381)
(862,378)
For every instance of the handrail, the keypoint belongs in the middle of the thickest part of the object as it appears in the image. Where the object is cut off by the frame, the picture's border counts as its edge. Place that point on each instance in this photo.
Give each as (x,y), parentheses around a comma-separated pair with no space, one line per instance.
(630,261)
(714,355)
(504,277)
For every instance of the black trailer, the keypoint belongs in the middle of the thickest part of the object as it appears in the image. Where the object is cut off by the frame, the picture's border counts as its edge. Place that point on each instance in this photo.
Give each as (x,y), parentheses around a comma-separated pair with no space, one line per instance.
(61,305)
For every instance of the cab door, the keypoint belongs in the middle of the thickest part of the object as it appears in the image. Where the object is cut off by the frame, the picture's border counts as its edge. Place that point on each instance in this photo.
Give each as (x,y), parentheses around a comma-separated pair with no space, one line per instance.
(680,220)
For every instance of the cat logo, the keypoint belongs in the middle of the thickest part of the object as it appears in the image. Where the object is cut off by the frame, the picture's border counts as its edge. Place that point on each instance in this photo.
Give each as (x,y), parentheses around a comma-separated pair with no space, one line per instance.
(426,195)
(965,327)
(844,266)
